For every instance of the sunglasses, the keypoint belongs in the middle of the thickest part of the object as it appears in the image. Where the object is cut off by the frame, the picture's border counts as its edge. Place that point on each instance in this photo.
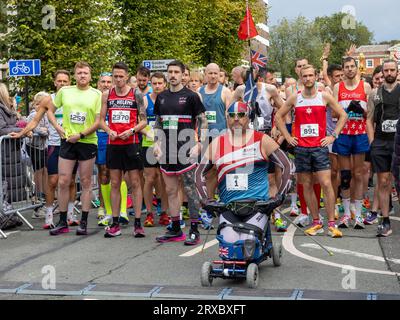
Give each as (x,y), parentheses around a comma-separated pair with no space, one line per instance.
(240,115)
(104,74)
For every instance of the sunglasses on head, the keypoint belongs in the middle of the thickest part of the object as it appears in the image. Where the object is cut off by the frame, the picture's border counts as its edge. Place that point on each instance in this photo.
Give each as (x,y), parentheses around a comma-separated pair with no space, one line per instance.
(104,74)
(240,115)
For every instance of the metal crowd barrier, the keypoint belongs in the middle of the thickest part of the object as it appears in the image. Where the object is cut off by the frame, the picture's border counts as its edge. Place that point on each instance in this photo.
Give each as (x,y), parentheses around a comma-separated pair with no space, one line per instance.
(19,160)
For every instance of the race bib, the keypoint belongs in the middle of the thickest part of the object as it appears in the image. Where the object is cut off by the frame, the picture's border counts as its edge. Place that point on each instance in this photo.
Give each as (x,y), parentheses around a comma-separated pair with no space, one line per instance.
(120,116)
(170,122)
(77,117)
(309,130)
(211,116)
(237,182)
(389,126)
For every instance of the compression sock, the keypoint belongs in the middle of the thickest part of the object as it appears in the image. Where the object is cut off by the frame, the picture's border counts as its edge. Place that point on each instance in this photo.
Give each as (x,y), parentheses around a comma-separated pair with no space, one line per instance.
(106,193)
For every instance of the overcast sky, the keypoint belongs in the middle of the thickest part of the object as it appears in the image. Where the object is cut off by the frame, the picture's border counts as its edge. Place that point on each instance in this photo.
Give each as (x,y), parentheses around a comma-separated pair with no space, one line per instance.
(380,16)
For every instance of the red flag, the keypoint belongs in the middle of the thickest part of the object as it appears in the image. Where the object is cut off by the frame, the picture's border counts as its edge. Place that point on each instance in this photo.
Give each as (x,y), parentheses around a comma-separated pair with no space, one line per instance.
(247,28)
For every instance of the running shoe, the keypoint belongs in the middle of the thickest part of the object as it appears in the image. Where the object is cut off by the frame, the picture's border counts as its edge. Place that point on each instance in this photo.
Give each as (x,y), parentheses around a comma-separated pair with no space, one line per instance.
(294,212)
(316,228)
(367,203)
(113,231)
(172,236)
(384,230)
(193,238)
(60,228)
(159,209)
(138,232)
(101,213)
(334,232)
(123,219)
(74,221)
(82,229)
(181,222)
(39,213)
(344,222)
(302,221)
(106,221)
(164,219)
(395,196)
(149,222)
(359,223)
(280,225)
(371,218)
(96,203)
(185,213)
(48,226)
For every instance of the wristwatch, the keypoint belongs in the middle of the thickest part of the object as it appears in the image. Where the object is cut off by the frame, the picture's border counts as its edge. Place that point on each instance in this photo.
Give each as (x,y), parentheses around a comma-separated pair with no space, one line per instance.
(82,135)
(334,134)
(133,131)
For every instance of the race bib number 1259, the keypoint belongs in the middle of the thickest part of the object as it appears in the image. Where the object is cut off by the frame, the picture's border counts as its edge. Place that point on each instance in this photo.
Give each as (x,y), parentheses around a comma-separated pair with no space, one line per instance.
(78,117)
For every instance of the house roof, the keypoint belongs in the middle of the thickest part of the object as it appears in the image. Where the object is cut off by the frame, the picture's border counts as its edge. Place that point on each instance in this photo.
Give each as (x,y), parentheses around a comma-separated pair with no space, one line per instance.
(373,48)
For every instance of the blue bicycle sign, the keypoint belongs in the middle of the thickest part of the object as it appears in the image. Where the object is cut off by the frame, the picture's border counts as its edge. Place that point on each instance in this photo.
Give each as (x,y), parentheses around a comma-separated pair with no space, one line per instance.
(22,68)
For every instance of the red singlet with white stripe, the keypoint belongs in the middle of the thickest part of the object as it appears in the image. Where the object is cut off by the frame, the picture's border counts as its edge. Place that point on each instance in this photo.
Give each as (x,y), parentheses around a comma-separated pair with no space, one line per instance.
(122,115)
(310,115)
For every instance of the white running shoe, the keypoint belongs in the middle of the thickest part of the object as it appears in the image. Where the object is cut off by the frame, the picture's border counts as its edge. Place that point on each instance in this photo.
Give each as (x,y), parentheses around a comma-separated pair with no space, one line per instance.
(294,212)
(359,223)
(302,221)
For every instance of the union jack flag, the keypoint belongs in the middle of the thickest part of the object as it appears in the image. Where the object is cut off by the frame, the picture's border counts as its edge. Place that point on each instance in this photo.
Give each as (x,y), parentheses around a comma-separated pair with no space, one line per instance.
(258,60)
(223,252)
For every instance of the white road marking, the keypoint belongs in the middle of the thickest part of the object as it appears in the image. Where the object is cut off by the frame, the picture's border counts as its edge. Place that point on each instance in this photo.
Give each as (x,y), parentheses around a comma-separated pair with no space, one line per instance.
(11,232)
(351,253)
(199,248)
(287,243)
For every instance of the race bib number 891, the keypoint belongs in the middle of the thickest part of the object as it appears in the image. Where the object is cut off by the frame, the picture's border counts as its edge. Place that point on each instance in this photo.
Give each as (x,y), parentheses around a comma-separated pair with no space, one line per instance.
(77,117)
(309,130)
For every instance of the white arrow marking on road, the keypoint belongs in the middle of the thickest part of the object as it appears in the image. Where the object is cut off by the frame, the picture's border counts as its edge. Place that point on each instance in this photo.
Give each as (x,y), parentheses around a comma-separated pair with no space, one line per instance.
(287,243)
(199,248)
(351,253)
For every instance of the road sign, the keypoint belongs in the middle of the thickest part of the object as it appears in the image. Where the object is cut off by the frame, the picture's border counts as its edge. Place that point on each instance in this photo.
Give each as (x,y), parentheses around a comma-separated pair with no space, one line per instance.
(156,65)
(23,68)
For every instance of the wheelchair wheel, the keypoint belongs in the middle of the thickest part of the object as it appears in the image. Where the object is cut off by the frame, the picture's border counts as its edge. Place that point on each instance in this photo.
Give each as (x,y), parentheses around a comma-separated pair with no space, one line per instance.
(206,278)
(276,254)
(252,276)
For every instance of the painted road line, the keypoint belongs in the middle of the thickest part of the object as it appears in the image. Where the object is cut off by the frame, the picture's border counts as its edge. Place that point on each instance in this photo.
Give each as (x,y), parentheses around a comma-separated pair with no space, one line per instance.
(199,248)
(352,253)
(287,243)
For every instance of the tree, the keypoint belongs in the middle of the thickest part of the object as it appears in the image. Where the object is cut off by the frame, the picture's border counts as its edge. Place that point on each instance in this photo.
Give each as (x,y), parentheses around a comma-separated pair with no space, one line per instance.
(62,32)
(291,40)
(333,29)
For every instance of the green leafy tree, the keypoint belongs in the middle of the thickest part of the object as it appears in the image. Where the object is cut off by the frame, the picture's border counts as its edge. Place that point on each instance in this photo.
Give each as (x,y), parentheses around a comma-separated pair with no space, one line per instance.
(333,29)
(292,39)
(62,32)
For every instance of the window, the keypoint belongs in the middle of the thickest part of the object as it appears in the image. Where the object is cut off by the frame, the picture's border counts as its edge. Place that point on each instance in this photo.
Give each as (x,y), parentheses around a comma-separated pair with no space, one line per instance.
(370,63)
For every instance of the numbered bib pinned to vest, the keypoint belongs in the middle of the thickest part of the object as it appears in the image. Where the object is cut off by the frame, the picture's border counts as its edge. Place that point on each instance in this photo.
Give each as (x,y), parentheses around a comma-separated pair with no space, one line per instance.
(237,182)
(170,122)
(77,117)
(309,130)
(389,126)
(211,116)
(120,116)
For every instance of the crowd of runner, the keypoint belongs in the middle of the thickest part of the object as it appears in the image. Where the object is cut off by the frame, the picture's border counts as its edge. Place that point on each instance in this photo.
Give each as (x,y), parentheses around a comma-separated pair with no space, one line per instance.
(167,145)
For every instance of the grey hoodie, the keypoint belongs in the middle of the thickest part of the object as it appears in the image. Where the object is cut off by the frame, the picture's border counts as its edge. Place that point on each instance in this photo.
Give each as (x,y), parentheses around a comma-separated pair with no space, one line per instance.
(8,120)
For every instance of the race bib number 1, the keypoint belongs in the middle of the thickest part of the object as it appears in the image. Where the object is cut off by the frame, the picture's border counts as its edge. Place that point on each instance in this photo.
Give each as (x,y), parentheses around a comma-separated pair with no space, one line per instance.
(78,117)
(121,116)
(170,122)
(309,130)
(389,126)
(237,182)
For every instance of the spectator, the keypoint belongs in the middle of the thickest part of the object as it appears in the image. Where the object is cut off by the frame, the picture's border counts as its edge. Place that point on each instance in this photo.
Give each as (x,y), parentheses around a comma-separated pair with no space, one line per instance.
(8,115)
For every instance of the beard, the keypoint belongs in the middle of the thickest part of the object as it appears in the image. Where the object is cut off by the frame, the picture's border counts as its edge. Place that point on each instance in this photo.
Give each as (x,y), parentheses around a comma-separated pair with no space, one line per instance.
(390,79)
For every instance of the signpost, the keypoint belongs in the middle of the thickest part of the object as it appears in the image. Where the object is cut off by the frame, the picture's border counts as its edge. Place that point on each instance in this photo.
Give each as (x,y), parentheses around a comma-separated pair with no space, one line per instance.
(157,65)
(25,68)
